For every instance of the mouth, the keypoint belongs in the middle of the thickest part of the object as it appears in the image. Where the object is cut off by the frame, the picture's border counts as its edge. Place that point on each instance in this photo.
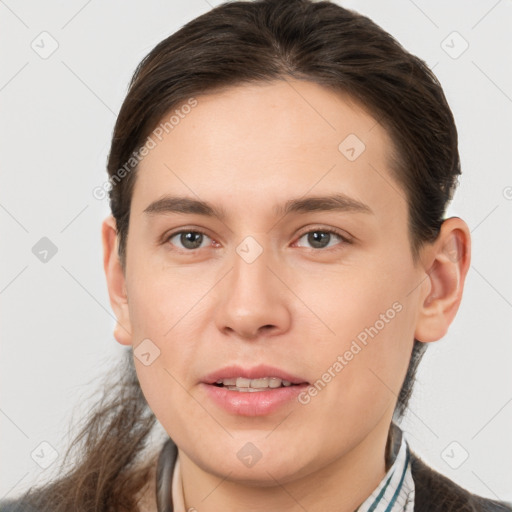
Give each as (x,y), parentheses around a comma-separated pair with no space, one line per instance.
(255,391)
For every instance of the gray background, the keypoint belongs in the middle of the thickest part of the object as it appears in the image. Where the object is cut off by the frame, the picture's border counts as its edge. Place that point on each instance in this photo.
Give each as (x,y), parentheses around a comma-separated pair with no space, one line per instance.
(57,117)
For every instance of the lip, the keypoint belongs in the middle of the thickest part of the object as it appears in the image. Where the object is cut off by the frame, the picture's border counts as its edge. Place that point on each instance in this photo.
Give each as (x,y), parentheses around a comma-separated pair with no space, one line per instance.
(257,403)
(256,372)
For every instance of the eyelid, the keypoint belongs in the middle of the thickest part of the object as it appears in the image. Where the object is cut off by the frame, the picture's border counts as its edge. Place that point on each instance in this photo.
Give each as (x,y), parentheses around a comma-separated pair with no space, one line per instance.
(327,229)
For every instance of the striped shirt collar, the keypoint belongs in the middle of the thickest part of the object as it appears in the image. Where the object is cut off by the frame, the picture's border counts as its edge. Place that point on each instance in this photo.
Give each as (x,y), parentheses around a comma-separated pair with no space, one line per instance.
(395,492)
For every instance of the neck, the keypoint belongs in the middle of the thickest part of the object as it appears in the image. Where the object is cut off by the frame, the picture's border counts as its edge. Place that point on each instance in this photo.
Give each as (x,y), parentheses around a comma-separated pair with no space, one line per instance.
(341,485)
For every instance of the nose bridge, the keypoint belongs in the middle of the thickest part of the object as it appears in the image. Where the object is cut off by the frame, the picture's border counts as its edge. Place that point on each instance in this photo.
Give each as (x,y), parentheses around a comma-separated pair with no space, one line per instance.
(251,274)
(254,299)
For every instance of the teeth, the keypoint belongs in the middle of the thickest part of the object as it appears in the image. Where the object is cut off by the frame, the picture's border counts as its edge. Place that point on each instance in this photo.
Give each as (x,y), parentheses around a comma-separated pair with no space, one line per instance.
(259,383)
(274,382)
(243,384)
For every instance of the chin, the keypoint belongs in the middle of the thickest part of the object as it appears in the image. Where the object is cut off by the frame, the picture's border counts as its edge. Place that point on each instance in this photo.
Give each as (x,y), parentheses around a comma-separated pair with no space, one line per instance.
(245,464)
(260,475)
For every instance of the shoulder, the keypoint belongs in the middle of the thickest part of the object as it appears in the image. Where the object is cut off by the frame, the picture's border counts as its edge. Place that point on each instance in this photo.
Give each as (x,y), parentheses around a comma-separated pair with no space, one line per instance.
(435,492)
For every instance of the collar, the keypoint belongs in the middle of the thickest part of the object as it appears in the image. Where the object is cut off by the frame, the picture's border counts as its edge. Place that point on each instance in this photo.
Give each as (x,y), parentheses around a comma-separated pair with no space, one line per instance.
(395,492)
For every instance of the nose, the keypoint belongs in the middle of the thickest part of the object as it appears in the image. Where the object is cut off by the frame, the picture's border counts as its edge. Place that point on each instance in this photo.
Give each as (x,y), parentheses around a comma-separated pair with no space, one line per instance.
(253,301)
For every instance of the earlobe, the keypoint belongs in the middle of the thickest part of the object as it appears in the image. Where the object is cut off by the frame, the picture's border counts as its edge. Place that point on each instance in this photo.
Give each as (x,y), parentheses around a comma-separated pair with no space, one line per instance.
(116,283)
(450,259)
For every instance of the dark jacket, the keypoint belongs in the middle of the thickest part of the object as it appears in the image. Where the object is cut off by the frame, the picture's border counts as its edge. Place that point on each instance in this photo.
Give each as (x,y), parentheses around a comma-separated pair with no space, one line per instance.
(433,491)
(436,493)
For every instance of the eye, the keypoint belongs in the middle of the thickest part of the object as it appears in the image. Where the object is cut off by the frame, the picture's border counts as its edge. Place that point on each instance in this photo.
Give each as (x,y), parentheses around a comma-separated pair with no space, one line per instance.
(322,238)
(189,239)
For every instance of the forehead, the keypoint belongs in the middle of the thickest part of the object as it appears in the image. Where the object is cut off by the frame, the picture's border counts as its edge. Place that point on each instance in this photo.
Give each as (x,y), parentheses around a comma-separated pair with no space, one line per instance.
(258,144)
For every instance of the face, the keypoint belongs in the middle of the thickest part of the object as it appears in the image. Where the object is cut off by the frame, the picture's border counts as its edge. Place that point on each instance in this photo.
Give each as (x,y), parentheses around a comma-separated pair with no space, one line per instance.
(297,270)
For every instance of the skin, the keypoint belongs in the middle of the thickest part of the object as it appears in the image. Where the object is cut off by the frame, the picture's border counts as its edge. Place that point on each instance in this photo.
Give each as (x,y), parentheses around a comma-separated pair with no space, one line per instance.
(297,306)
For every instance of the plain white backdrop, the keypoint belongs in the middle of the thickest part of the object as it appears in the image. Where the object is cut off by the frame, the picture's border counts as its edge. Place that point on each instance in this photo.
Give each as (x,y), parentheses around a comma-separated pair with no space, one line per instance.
(65,70)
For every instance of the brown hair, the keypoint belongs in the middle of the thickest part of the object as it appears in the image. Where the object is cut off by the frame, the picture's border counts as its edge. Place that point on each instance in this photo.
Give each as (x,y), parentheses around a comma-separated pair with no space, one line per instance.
(234,44)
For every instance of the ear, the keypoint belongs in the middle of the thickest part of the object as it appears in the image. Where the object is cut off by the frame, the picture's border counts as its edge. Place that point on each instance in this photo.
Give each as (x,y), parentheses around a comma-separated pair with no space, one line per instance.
(116,281)
(448,260)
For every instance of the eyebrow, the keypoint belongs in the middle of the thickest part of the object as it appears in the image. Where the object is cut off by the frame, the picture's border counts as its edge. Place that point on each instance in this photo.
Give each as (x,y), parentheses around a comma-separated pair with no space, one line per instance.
(187,205)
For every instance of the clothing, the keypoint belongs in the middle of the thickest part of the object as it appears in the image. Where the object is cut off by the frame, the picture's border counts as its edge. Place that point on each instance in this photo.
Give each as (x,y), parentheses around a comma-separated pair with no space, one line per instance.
(396,491)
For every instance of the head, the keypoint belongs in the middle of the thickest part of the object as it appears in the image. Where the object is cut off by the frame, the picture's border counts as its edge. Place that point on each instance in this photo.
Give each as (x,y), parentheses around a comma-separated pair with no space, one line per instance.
(280,173)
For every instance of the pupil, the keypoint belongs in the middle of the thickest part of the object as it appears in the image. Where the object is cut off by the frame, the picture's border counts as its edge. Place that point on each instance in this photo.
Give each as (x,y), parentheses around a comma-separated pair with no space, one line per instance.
(191,239)
(317,239)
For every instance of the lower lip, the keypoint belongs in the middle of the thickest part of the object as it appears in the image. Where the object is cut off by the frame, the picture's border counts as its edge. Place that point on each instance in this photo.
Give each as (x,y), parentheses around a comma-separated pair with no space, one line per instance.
(252,403)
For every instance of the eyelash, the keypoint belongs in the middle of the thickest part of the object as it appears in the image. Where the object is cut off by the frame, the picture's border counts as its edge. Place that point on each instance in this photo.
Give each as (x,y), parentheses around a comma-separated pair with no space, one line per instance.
(344,239)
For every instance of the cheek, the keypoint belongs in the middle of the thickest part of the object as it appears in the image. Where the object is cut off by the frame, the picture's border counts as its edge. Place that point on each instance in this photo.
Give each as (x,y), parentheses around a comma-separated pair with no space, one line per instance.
(360,371)
(170,401)
(367,320)
(165,316)
(353,301)
(161,300)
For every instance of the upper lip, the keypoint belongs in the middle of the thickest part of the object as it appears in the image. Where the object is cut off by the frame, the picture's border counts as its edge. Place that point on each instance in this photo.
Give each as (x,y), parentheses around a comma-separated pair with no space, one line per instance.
(254,372)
